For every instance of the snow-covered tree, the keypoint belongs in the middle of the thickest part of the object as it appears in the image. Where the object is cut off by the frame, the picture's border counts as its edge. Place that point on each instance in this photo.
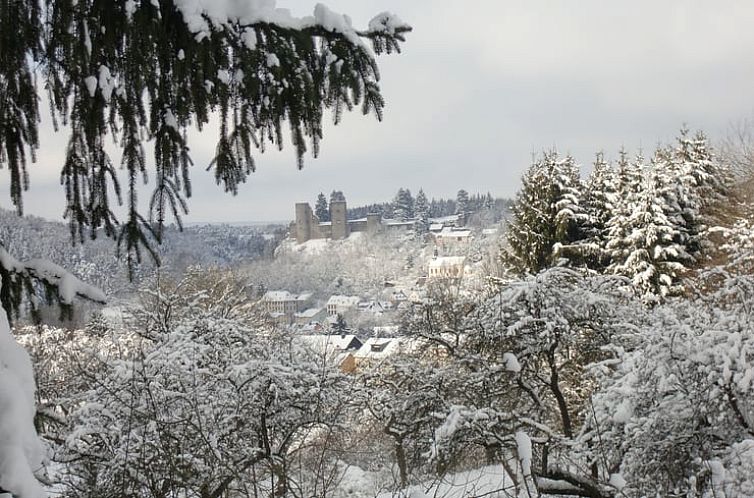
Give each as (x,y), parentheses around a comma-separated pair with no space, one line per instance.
(546,215)
(421,212)
(674,413)
(337,195)
(141,70)
(647,236)
(403,205)
(598,202)
(321,209)
(255,67)
(205,406)
(521,383)
(462,202)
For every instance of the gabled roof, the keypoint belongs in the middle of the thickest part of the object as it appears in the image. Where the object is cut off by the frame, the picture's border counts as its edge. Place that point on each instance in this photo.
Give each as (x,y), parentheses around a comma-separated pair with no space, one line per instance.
(446,261)
(330,343)
(278,296)
(343,301)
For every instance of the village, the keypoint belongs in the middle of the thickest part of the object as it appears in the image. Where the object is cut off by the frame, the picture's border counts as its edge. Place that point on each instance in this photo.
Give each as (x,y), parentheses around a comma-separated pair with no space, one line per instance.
(333,327)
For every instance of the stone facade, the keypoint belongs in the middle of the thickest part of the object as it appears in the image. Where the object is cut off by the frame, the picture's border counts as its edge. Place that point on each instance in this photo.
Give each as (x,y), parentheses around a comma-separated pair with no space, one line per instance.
(307,226)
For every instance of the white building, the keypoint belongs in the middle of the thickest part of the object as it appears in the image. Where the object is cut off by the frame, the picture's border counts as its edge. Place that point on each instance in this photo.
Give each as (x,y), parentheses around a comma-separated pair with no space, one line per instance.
(452,237)
(284,303)
(337,305)
(446,267)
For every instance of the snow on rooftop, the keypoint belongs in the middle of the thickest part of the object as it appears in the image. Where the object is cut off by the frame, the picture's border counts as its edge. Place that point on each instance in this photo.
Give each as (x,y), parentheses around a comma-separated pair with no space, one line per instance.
(278,296)
(454,232)
(379,348)
(328,343)
(446,261)
(308,313)
(343,301)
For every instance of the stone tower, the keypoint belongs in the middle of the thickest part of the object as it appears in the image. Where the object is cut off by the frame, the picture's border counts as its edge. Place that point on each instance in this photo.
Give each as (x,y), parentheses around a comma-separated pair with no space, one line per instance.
(303,222)
(339,221)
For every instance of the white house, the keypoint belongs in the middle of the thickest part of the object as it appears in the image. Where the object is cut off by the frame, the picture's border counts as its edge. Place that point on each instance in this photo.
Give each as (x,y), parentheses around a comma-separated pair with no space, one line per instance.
(452,237)
(446,267)
(337,305)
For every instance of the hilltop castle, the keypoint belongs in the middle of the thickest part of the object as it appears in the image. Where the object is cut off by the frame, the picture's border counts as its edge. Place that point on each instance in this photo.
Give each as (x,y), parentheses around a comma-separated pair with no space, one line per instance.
(308,226)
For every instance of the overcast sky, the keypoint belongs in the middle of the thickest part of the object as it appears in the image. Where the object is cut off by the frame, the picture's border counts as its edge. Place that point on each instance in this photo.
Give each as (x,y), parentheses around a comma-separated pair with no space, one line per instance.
(481,85)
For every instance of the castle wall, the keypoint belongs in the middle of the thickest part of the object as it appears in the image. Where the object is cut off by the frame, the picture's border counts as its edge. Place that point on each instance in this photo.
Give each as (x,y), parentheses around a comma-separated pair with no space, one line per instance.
(338,219)
(303,222)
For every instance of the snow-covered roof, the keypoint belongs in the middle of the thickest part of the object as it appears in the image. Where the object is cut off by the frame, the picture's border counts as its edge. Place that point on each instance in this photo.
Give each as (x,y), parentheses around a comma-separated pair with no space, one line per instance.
(378,348)
(386,329)
(329,343)
(454,232)
(445,219)
(435,227)
(395,223)
(308,313)
(278,296)
(343,301)
(446,261)
(489,231)
(304,297)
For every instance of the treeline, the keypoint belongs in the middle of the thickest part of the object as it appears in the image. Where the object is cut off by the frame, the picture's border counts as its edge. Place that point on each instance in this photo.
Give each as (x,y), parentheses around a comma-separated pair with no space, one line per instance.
(644,219)
(407,206)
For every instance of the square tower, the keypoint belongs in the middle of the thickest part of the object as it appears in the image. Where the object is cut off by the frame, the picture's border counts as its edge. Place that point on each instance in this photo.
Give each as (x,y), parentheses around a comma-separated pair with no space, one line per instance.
(338,219)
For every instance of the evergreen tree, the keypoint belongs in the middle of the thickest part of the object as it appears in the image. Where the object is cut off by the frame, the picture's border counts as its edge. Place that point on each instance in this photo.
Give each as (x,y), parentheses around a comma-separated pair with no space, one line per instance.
(340,327)
(598,199)
(320,208)
(403,205)
(337,196)
(646,240)
(141,69)
(701,184)
(421,212)
(489,202)
(546,215)
(462,202)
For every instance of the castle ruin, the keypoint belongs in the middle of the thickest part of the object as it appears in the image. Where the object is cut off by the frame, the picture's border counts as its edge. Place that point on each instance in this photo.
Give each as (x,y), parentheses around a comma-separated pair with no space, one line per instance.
(307,225)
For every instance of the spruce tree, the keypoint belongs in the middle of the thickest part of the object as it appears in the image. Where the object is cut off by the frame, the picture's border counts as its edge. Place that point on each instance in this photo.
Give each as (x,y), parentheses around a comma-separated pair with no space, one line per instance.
(320,208)
(462,202)
(337,196)
(421,212)
(403,205)
(646,239)
(598,202)
(147,70)
(545,226)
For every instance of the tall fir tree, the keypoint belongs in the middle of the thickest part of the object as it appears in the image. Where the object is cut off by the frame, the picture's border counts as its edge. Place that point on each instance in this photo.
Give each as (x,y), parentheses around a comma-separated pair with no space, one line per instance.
(403,205)
(321,209)
(598,204)
(646,240)
(462,202)
(547,216)
(140,70)
(337,196)
(421,212)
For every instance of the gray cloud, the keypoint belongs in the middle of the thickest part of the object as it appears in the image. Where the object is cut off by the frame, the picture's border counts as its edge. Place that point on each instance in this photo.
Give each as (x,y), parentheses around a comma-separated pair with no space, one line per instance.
(482,84)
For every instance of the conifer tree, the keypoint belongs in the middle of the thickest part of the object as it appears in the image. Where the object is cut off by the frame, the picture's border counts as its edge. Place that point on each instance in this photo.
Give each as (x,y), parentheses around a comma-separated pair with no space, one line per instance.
(546,215)
(147,70)
(598,202)
(403,205)
(337,196)
(462,202)
(646,241)
(421,212)
(320,208)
